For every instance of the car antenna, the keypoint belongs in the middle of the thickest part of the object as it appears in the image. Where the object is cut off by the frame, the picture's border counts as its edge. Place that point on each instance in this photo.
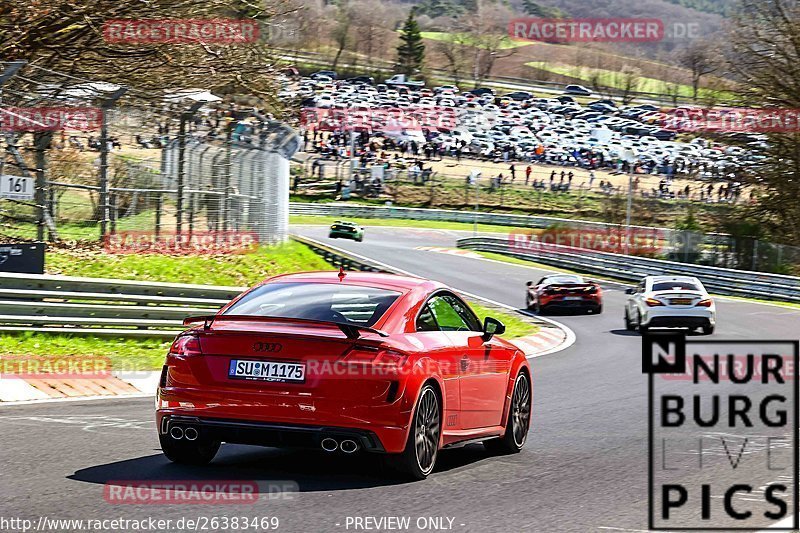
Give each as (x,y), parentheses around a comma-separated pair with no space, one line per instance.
(341,274)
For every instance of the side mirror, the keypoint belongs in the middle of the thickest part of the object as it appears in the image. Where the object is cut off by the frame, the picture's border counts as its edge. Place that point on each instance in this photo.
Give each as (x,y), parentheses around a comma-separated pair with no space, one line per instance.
(529,284)
(630,291)
(492,327)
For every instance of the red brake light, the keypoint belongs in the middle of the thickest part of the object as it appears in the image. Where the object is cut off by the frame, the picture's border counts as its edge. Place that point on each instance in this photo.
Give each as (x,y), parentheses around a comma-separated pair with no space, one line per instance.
(373,356)
(186,345)
(704,303)
(652,302)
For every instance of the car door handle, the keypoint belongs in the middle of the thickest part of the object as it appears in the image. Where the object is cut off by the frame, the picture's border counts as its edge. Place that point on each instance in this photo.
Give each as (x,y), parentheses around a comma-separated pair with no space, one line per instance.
(464,362)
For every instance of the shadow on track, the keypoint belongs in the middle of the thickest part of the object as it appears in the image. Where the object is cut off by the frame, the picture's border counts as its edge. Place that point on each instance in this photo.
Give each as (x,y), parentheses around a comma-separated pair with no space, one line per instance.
(562,312)
(311,470)
(626,333)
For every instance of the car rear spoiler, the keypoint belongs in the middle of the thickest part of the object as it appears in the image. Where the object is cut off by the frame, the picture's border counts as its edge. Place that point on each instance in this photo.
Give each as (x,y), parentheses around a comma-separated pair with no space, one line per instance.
(350,330)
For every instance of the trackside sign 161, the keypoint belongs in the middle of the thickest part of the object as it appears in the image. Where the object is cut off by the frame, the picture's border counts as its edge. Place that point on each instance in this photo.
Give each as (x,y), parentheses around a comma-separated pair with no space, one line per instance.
(722,433)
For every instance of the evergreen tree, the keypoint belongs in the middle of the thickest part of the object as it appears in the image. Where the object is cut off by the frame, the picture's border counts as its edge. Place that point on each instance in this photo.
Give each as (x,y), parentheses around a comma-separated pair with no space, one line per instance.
(411,52)
(531,7)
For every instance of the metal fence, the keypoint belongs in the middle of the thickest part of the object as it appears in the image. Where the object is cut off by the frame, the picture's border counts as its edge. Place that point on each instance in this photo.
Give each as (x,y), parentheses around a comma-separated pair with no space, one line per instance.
(232,187)
(632,268)
(226,190)
(109,158)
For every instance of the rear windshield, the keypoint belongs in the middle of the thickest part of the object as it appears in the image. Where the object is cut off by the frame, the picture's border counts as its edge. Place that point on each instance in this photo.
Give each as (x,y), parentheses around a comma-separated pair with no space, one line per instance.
(317,301)
(558,280)
(675,285)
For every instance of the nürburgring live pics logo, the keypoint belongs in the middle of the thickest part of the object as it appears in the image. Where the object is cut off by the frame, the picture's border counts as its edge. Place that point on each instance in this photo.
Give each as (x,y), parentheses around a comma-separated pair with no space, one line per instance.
(722,434)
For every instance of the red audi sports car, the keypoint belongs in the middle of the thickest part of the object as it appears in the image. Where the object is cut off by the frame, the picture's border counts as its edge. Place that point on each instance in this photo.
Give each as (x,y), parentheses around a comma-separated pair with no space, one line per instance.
(346,363)
(564,291)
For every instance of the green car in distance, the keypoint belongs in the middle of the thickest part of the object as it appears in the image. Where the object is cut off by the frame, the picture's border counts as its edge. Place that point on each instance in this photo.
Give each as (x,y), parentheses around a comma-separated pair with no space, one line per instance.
(346,230)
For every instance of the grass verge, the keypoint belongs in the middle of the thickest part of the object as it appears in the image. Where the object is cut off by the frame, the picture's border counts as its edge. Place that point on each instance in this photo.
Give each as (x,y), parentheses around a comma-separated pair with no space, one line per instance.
(121,353)
(616,80)
(230,269)
(467,40)
(515,326)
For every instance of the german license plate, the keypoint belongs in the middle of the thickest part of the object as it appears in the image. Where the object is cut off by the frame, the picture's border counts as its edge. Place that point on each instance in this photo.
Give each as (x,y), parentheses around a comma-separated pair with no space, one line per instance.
(267,370)
(573,297)
(680,301)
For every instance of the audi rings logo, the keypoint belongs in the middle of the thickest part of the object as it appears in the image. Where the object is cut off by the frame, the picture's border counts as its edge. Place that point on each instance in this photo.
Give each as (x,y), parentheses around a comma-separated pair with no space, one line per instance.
(273,347)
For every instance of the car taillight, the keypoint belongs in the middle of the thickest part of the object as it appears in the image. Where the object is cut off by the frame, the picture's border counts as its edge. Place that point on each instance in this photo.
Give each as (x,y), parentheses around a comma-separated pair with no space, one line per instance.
(362,355)
(652,302)
(186,345)
(704,303)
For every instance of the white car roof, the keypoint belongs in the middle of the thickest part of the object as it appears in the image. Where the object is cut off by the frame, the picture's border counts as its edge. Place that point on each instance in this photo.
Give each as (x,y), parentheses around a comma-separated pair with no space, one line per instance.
(658,279)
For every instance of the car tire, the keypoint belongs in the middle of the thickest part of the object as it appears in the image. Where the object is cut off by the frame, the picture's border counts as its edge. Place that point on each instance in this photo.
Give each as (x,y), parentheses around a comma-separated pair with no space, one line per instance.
(528,303)
(598,310)
(519,420)
(628,324)
(418,459)
(641,327)
(198,452)
(708,330)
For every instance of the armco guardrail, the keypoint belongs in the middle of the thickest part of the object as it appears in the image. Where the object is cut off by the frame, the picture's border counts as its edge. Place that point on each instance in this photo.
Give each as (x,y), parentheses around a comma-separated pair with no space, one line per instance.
(338,258)
(67,304)
(448,215)
(632,268)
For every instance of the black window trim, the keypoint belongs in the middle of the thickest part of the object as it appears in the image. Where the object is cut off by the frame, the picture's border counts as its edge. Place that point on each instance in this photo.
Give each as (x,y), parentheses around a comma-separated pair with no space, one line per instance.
(438,327)
(444,292)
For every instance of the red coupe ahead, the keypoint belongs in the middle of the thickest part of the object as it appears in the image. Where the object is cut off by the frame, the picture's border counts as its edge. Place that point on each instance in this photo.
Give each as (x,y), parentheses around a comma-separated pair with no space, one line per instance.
(347,363)
(565,292)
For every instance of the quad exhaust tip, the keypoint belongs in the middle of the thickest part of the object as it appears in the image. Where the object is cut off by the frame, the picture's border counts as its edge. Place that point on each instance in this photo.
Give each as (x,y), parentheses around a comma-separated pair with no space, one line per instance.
(349,446)
(329,445)
(179,432)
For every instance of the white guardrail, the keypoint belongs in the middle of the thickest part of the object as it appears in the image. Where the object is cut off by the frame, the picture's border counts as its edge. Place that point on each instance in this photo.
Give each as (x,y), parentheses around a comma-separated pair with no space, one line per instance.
(121,308)
(97,306)
(721,281)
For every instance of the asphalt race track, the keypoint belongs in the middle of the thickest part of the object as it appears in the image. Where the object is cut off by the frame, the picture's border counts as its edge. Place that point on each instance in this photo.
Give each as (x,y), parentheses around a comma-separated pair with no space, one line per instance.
(584,467)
